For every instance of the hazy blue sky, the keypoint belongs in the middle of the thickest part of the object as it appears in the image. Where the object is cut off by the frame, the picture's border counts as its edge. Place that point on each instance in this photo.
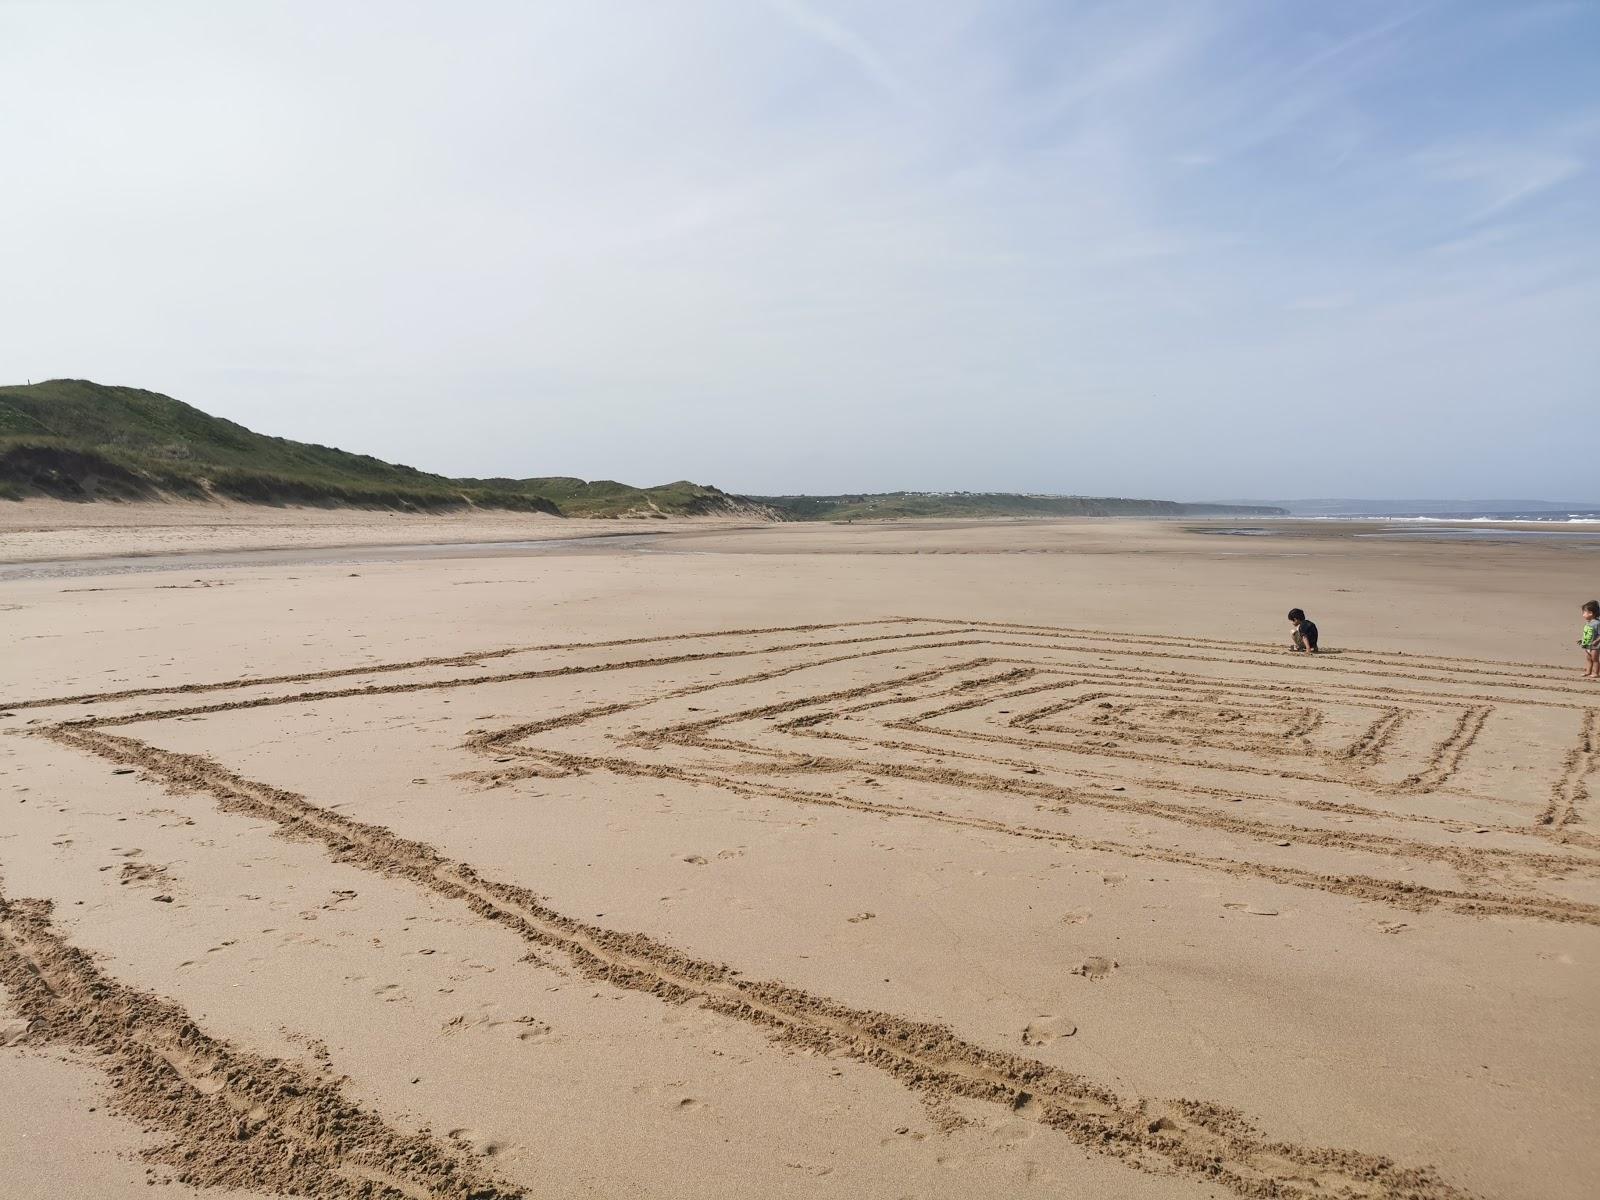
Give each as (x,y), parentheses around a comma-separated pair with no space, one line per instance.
(1181,249)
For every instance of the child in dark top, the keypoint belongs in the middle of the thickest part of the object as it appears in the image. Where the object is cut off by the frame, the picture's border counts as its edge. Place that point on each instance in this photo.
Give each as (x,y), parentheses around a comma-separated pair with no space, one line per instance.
(1589,638)
(1305,631)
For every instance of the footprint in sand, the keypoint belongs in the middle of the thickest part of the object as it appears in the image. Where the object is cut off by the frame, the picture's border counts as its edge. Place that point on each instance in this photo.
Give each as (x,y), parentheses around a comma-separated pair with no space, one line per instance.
(903,1131)
(1013,1133)
(535,1031)
(477,1143)
(1043,1030)
(133,872)
(1095,969)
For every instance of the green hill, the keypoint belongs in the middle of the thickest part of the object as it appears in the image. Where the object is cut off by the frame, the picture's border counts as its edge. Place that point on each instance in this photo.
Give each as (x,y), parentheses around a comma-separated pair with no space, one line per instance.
(78,440)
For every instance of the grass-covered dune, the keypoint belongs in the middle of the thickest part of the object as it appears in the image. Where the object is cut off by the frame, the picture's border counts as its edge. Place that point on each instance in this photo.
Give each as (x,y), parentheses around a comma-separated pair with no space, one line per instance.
(608,498)
(76,440)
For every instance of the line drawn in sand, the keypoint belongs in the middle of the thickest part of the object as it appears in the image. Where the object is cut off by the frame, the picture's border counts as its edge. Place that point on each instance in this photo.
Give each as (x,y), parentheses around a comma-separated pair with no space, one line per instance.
(936,691)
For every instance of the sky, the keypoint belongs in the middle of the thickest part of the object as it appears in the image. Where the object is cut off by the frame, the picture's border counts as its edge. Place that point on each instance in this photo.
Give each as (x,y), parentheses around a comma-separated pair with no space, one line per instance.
(1253,248)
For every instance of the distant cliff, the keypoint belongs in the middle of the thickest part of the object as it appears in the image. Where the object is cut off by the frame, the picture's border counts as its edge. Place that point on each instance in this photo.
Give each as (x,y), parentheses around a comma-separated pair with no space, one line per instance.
(885,506)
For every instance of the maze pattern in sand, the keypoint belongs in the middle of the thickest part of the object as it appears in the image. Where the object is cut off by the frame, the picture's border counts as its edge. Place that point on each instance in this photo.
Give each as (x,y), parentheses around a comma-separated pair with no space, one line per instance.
(1481,788)
(1459,786)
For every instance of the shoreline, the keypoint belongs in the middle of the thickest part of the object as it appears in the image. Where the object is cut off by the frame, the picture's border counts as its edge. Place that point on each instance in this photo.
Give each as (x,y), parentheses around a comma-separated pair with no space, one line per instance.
(59,532)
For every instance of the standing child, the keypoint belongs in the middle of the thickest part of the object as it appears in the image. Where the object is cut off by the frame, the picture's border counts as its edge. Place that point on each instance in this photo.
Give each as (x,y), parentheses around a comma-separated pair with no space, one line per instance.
(1589,639)
(1305,631)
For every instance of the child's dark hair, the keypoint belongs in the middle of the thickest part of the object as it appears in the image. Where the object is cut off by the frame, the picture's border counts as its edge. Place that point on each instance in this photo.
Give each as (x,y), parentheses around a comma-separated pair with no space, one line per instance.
(1297,614)
(1592,607)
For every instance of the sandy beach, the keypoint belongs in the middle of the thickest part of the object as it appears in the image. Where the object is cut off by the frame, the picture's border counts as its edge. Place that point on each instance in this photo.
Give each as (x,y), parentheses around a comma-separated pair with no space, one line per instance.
(932,860)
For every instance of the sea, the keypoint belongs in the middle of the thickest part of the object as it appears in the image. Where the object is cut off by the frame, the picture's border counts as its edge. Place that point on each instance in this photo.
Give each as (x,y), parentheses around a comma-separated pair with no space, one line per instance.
(1573,527)
(1581,517)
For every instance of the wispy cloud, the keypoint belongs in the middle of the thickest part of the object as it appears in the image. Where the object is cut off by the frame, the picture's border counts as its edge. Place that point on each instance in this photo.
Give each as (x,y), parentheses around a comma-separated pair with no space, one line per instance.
(814,244)
(1500,177)
(818,24)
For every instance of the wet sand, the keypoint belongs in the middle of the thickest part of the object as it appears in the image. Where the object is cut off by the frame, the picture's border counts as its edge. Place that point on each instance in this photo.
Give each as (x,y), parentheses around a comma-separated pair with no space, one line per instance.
(928,860)
(37,531)
(220,560)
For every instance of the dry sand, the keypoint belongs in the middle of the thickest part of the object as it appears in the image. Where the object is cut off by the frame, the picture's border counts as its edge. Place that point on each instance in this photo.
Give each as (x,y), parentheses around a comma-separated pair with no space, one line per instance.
(862,861)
